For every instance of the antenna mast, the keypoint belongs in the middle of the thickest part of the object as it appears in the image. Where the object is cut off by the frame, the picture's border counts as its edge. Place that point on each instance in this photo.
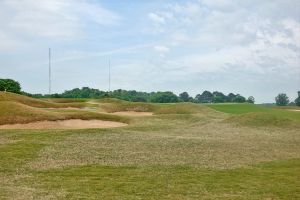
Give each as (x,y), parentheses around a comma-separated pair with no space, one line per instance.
(49,71)
(109,75)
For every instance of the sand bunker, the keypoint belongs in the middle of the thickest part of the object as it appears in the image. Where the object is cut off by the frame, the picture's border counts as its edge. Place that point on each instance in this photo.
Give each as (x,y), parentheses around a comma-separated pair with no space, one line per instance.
(295,110)
(65,124)
(133,113)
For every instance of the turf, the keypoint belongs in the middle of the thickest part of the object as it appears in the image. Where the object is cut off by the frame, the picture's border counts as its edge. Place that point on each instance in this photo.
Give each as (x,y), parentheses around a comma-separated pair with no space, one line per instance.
(238,108)
(183,151)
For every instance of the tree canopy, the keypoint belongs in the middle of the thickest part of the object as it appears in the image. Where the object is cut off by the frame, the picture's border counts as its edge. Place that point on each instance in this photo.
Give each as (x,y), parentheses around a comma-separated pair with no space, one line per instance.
(184,97)
(297,100)
(10,85)
(282,99)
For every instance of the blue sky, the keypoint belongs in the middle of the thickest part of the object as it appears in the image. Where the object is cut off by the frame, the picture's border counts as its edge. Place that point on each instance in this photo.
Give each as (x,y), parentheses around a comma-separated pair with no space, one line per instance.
(247,47)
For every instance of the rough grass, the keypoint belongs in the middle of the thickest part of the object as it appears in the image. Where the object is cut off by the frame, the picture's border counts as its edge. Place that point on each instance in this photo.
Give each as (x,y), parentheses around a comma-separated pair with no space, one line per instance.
(20,109)
(39,103)
(65,100)
(265,119)
(238,108)
(176,182)
(255,115)
(184,151)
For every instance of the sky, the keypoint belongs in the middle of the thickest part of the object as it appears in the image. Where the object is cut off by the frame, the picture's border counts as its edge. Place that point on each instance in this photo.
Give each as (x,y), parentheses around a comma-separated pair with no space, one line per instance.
(250,47)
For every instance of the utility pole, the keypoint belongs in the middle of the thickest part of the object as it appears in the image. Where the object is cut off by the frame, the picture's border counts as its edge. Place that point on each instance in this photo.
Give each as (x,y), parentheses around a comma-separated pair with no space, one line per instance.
(49,71)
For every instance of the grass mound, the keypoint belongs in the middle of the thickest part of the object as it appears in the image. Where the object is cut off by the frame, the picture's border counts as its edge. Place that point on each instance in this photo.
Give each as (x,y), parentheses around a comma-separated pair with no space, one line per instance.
(255,115)
(180,108)
(16,108)
(238,108)
(14,112)
(7,96)
(262,119)
(65,100)
(116,105)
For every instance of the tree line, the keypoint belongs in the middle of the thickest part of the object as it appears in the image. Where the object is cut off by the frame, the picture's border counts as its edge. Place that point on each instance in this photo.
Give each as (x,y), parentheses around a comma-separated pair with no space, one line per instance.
(282,99)
(155,97)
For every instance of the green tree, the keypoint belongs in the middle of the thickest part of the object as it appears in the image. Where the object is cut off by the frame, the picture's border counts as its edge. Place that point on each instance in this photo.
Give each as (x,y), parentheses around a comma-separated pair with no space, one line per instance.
(282,99)
(164,97)
(239,99)
(184,96)
(251,99)
(205,97)
(10,85)
(219,97)
(297,100)
(231,97)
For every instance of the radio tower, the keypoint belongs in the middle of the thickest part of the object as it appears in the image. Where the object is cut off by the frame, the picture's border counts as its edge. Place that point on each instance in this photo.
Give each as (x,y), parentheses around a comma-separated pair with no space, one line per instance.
(49,71)
(109,75)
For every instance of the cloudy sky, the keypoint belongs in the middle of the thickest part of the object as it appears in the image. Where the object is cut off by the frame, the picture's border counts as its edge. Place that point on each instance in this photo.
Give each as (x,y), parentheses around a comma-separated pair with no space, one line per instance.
(251,47)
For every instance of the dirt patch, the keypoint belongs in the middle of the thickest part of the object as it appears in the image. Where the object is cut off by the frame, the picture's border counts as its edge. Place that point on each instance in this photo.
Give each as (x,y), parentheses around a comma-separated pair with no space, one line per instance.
(133,113)
(295,110)
(65,124)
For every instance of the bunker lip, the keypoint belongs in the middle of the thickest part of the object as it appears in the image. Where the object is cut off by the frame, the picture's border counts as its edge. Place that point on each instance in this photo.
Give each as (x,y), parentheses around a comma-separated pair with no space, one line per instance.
(65,124)
(133,113)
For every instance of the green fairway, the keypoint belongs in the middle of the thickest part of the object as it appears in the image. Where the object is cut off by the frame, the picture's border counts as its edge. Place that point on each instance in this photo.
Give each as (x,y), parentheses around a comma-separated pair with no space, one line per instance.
(238,108)
(183,151)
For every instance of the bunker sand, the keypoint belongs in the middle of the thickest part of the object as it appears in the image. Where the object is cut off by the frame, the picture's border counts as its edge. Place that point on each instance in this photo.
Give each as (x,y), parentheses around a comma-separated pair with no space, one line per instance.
(65,124)
(133,113)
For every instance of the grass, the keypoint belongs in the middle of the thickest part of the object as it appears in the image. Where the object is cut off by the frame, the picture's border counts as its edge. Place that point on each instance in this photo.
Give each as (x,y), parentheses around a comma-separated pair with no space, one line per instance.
(175,182)
(184,151)
(238,108)
(21,109)
(7,96)
(256,115)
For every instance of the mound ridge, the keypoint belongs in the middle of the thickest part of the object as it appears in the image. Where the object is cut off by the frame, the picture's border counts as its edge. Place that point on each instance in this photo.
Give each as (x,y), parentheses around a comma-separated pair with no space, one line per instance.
(12,97)
(18,109)
(261,119)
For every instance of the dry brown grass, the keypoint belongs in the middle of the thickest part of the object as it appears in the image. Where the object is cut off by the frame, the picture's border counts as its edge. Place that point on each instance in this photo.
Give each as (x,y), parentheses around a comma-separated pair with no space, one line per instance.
(11,97)
(14,112)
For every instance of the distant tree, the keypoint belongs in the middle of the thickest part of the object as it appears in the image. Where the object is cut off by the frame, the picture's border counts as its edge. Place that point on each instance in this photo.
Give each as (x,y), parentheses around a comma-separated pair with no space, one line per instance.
(205,97)
(139,99)
(219,97)
(184,96)
(10,85)
(251,99)
(239,99)
(231,97)
(164,97)
(282,99)
(191,99)
(297,100)
(292,103)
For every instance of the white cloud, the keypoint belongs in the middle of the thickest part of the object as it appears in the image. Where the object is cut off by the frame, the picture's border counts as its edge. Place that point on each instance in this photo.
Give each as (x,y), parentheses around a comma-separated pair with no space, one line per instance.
(161,49)
(58,19)
(7,42)
(156,18)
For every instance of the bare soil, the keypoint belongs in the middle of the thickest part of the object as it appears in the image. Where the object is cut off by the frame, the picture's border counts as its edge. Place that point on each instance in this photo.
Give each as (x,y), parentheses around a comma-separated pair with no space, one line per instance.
(65,124)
